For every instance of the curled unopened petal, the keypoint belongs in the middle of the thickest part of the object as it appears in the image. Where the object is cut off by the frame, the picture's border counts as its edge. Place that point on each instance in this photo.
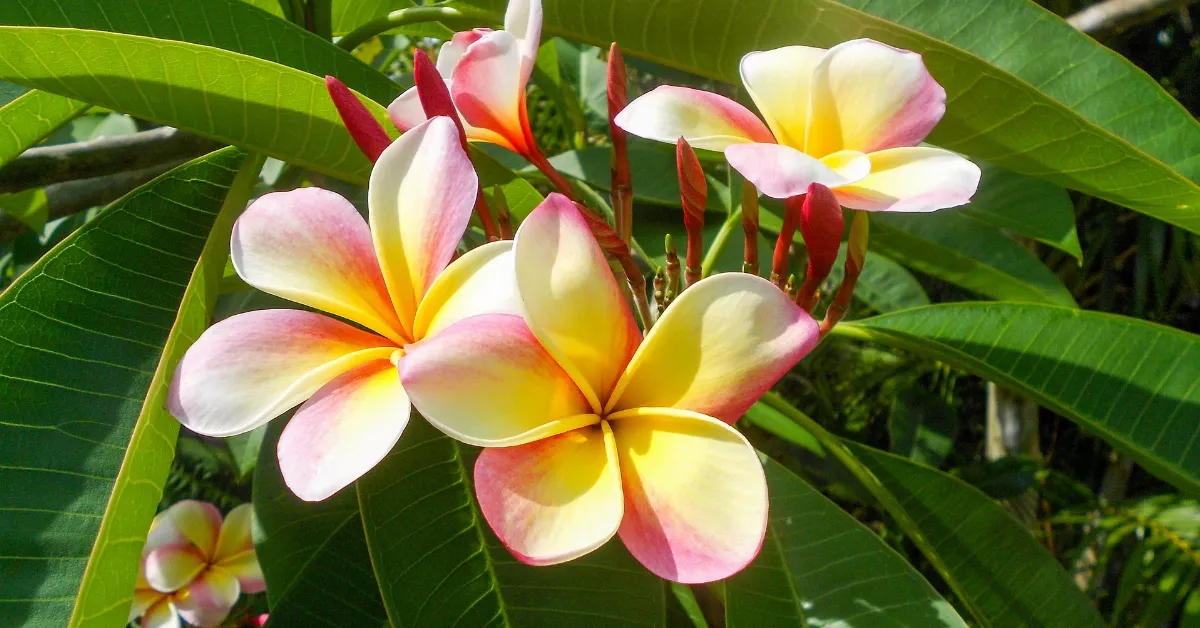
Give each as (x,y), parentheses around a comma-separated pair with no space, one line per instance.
(523,19)
(695,495)
(704,119)
(781,171)
(869,96)
(572,301)
(250,368)
(487,381)
(555,499)
(479,282)
(343,431)
(421,194)
(363,127)
(489,90)
(916,179)
(822,225)
(779,83)
(312,247)
(717,348)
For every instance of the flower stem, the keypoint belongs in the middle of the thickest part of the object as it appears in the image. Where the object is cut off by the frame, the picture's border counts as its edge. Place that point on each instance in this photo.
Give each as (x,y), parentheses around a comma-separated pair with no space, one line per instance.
(415,15)
(710,259)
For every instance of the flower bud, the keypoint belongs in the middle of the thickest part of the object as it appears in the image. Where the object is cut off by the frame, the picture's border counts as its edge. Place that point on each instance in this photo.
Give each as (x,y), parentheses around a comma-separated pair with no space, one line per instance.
(363,127)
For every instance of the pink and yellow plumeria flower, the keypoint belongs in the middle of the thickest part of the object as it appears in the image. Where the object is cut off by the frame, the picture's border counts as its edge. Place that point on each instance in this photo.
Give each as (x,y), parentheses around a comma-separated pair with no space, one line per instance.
(393,278)
(487,72)
(848,118)
(591,430)
(195,566)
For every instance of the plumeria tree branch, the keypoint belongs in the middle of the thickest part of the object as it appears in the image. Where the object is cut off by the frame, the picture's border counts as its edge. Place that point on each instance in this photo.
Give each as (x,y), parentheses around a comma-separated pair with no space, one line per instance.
(456,17)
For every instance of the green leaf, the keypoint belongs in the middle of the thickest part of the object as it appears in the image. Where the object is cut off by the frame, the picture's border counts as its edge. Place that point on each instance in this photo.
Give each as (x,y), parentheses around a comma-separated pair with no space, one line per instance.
(438,563)
(32,116)
(547,73)
(655,179)
(991,562)
(1004,574)
(922,426)
(967,253)
(29,207)
(90,337)
(819,566)
(1026,91)
(1135,384)
(270,109)
(1030,207)
(232,25)
(588,75)
(313,554)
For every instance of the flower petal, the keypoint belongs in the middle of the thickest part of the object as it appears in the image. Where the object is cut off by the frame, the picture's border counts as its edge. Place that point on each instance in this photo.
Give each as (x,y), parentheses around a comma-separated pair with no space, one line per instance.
(917,179)
(206,602)
(487,381)
(554,499)
(571,298)
(343,431)
(406,110)
(235,536)
(171,567)
(779,82)
(246,569)
(191,521)
(421,194)
(523,19)
(869,96)
(480,282)
(163,614)
(143,599)
(695,495)
(488,87)
(312,247)
(717,348)
(704,119)
(250,368)
(781,171)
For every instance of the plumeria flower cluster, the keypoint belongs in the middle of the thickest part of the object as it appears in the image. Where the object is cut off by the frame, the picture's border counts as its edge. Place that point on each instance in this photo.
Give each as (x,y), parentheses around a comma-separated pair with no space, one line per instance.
(195,566)
(591,426)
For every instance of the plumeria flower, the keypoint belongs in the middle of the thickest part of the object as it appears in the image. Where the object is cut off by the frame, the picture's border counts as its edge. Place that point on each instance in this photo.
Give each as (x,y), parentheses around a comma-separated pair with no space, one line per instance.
(194,566)
(590,430)
(848,118)
(394,278)
(487,72)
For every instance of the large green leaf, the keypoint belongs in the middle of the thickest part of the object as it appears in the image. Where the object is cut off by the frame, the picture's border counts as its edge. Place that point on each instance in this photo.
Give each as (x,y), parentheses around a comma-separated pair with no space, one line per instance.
(438,563)
(1030,207)
(313,554)
(821,567)
(232,25)
(32,116)
(88,338)
(1026,91)
(991,562)
(965,252)
(883,285)
(269,108)
(1007,576)
(428,549)
(1135,384)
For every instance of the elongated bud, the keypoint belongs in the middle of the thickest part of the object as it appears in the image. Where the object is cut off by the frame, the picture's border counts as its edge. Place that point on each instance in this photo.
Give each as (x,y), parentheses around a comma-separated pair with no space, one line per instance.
(433,92)
(660,289)
(693,192)
(363,127)
(674,284)
(750,227)
(857,248)
(502,216)
(604,233)
(793,207)
(821,224)
(622,184)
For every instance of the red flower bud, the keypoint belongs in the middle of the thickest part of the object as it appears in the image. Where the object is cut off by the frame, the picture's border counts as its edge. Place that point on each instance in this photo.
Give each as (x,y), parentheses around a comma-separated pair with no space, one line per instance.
(821,224)
(363,127)
(693,191)
(433,93)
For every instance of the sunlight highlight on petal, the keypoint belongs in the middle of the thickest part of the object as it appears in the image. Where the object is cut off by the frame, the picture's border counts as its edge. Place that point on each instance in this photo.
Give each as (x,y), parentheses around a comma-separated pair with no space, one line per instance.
(705,120)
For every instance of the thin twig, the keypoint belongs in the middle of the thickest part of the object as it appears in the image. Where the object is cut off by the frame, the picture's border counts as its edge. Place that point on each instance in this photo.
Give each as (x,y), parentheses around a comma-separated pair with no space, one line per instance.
(1121,14)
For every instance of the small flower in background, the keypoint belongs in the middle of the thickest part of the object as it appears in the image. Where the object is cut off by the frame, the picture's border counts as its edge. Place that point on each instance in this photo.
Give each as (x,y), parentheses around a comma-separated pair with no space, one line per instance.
(487,72)
(393,277)
(848,118)
(591,430)
(194,566)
